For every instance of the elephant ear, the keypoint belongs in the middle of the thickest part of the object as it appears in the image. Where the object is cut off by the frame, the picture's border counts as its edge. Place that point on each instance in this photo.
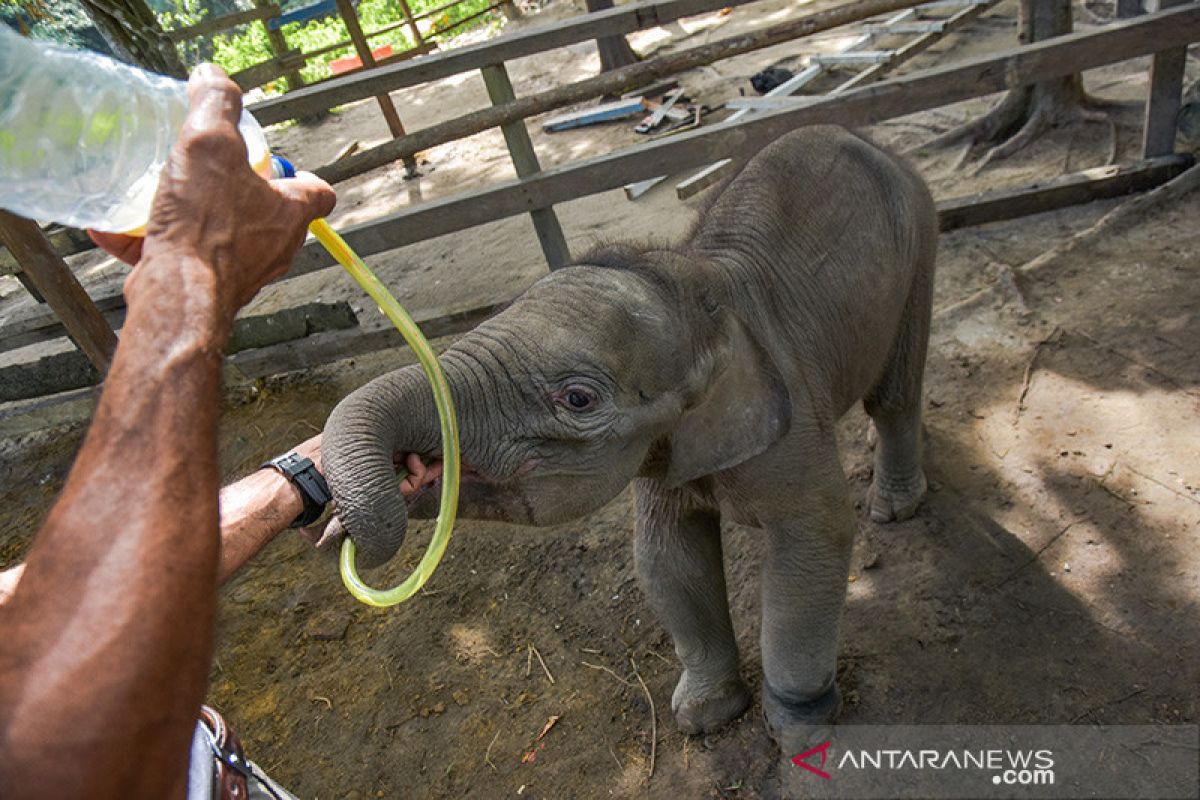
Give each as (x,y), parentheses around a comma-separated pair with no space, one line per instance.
(740,408)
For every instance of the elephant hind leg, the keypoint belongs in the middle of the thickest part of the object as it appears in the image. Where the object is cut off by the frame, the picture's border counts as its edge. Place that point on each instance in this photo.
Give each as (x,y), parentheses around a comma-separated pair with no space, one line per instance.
(894,404)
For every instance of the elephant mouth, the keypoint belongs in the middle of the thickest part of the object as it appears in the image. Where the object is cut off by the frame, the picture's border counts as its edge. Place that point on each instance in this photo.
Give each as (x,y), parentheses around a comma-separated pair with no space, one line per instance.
(423,481)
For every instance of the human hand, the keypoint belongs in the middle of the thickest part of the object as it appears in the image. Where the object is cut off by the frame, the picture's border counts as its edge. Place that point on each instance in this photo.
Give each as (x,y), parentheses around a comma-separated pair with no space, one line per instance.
(418,475)
(212,210)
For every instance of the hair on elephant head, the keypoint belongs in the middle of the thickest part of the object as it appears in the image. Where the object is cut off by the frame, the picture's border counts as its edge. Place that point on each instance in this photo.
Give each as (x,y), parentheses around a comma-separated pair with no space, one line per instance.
(601,372)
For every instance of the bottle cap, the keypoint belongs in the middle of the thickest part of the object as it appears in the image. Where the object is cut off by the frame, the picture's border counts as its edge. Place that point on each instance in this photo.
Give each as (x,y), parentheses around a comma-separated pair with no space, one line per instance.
(282,168)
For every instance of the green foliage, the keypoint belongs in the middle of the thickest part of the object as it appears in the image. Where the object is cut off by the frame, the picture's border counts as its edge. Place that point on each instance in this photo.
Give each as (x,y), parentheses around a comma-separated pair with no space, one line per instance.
(247,44)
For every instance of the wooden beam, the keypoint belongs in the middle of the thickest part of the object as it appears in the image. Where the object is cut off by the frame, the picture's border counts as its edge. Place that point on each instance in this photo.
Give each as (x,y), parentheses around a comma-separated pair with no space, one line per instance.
(717,172)
(350,17)
(860,107)
(606,83)
(866,105)
(1166,92)
(269,70)
(1082,187)
(623,19)
(222,23)
(525,162)
(279,46)
(1099,183)
(26,241)
(66,241)
(324,348)
(412,24)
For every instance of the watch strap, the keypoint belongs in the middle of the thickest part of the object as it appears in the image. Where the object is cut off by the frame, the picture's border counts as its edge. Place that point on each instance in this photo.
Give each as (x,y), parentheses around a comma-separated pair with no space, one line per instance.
(303,474)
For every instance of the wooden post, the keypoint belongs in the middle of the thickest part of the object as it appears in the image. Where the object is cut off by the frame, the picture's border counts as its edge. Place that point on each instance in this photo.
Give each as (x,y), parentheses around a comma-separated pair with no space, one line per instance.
(520,149)
(1163,102)
(50,274)
(279,46)
(511,11)
(412,23)
(363,48)
(1128,8)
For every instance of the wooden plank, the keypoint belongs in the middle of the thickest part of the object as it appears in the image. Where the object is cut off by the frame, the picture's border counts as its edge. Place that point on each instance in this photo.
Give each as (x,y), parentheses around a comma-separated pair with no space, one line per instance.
(525,162)
(26,241)
(955,213)
(269,70)
(1081,187)
(1166,93)
(222,23)
(1128,8)
(863,106)
(714,174)
(324,348)
(605,112)
(466,19)
(279,46)
(900,28)
(65,241)
(386,106)
(860,107)
(412,24)
(919,45)
(606,83)
(854,57)
(621,20)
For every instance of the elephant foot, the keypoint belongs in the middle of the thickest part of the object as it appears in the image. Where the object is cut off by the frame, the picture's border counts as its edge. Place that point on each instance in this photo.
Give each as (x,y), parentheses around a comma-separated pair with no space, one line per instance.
(788,720)
(703,709)
(800,729)
(895,499)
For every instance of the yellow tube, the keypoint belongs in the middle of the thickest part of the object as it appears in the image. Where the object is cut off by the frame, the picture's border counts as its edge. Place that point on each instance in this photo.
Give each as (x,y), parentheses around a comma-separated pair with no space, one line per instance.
(382,598)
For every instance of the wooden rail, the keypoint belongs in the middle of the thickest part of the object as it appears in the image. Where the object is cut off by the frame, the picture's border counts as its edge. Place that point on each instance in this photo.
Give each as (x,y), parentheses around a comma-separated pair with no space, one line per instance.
(611,82)
(615,21)
(213,25)
(919,91)
(1164,31)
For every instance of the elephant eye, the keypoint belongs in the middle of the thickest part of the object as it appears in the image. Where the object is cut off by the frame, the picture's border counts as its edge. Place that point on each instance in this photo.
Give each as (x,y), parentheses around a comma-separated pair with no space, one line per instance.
(577,399)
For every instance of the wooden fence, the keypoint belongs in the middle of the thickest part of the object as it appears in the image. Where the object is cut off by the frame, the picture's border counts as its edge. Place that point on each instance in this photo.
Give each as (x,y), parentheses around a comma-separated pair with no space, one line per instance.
(1164,35)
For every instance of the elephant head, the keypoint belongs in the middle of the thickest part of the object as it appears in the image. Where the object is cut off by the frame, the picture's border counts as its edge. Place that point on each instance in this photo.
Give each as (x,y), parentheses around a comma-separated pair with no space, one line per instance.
(597,374)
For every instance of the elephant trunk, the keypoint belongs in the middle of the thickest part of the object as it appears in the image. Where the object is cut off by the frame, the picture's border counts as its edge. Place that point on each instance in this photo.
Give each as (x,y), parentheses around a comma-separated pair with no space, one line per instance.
(393,414)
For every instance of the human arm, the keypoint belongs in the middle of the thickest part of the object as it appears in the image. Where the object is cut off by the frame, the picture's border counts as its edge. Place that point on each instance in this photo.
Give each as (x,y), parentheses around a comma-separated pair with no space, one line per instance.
(108,634)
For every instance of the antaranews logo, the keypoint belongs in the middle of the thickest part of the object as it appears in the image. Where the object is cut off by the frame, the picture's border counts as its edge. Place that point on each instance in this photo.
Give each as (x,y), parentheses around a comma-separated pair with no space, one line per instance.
(1007,767)
(801,760)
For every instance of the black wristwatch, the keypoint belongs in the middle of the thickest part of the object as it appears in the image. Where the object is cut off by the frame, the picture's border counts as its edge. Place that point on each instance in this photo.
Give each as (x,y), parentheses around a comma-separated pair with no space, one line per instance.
(304,476)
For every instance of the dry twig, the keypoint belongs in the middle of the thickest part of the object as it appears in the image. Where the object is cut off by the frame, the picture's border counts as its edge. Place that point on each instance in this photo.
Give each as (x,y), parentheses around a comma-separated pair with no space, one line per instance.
(653,718)
(543,663)
(1028,377)
(606,669)
(487,755)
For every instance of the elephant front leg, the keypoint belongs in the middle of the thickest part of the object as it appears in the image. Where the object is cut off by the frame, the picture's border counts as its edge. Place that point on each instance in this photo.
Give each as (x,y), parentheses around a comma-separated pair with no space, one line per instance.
(804,588)
(678,554)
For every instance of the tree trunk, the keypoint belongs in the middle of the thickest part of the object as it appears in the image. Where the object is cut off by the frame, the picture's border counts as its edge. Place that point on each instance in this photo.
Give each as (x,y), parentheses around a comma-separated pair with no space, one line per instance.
(1026,113)
(615,51)
(133,32)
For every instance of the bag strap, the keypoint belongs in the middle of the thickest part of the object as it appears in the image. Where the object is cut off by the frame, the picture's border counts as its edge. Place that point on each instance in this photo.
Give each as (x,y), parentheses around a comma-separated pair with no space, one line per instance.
(229,762)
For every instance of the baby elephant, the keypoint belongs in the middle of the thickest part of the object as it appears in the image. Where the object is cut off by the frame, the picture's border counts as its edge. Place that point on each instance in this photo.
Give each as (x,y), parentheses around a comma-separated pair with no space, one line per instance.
(711,374)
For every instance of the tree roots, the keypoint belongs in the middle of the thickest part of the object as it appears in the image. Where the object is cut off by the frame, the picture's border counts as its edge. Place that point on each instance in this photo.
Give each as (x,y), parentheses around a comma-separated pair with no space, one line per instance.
(1021,117)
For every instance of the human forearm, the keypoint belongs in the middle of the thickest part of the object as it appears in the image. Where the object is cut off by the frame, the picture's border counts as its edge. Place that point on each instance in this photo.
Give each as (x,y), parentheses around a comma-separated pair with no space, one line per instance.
(112,618)
(256,508)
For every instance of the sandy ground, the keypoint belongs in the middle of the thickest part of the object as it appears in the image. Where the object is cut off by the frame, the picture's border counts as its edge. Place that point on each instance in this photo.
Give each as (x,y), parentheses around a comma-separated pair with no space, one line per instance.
(1051,575)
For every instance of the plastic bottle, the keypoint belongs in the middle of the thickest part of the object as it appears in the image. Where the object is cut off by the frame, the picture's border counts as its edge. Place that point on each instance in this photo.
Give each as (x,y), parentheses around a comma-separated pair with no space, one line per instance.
(83,138)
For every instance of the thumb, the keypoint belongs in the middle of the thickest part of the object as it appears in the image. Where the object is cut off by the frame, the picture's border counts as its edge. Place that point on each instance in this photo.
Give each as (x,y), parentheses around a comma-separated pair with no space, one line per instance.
(315,197)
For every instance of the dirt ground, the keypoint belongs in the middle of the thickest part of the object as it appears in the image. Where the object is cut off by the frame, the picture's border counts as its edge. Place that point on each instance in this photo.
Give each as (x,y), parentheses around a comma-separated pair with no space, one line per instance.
(1051,576)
